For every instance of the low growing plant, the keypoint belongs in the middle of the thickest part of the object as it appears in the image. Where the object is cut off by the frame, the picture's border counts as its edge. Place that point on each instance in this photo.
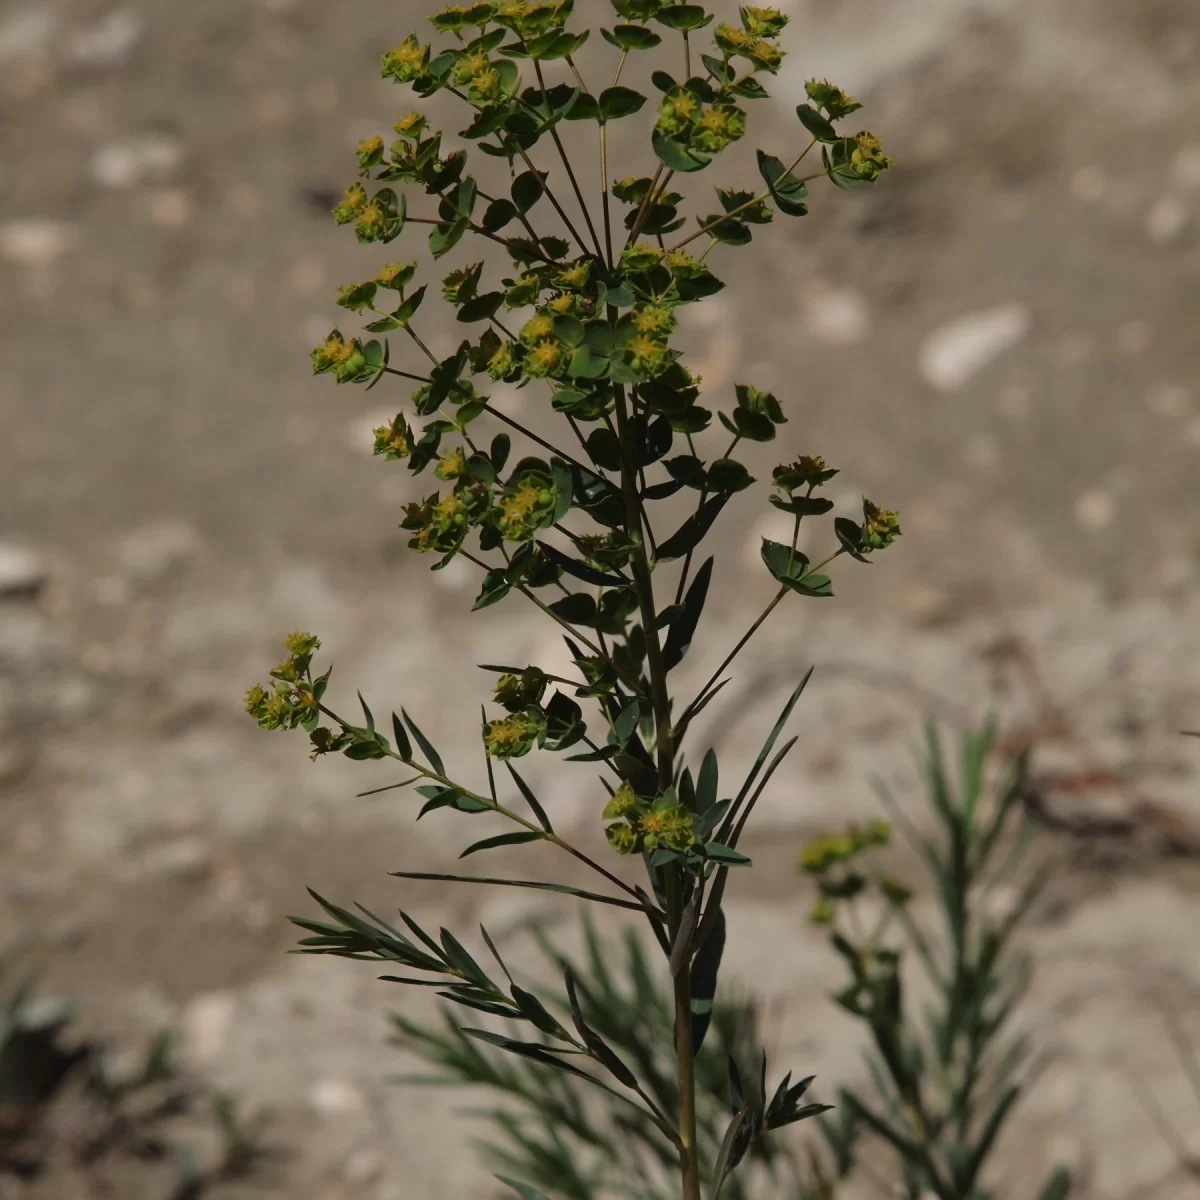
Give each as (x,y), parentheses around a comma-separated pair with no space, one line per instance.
(945,1080)
(582,298)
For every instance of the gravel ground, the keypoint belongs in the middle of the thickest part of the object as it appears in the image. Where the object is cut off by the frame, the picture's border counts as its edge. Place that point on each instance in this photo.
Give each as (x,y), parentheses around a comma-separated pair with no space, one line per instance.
(999,341)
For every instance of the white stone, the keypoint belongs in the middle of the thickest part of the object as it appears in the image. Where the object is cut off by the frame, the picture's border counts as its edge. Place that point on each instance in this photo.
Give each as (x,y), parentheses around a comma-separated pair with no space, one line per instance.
(838,316)
(107,42)
(1185,166)
(187,858)
(36,241)
(1166,220)
(22,570)
(1096,509)
(1134,337)
(27,31)
(1168,400)
(149,553)
(145,158)
(961,348)
(335,1098)
(363,1166)
(205,1026)
(1090,184)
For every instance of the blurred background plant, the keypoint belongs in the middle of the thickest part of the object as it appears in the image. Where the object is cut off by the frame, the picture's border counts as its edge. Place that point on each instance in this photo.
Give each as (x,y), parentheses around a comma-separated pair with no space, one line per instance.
(72,1109)
(943,1075)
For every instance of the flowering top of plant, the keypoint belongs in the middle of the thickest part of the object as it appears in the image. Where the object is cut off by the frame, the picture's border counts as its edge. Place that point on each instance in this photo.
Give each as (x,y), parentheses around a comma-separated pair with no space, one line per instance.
(580,298)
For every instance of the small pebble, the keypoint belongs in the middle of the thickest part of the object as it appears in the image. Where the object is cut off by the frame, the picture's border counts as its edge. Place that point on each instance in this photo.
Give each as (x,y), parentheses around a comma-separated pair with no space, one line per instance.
(961,348)
(107,42)
(1166,220)
(335,1098)
(22,571)
(147,158)
(838,316)
(1167,400)
(27,32)
(205,1026)
(36,241)
(1134,337)
(1096,509)
(149,553)
(170,208)
(1185,166)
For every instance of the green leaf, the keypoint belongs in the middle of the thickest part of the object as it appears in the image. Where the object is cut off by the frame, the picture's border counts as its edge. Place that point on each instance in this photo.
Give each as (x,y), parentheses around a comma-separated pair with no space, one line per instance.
(1057,1186)
(816,124)
(579,608)
(537,885)
(704,970)
(683,17)
(692,531)
(728,475)
(631,37)
(676,155)
(580,570)
(445,237)
(607,1057)
(497,215)
(725,1154)
(617,102)
(495,587)
(530,799)
(786,190)
(523,1189)
(403,745)
(718,852)
(527,189)
(426,745)
(683,629)
(849,534)
(785,564)
(519,838)
(481,308)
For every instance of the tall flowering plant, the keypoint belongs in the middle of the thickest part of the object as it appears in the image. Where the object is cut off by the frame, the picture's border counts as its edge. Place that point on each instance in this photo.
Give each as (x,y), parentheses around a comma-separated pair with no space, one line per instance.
(585,310)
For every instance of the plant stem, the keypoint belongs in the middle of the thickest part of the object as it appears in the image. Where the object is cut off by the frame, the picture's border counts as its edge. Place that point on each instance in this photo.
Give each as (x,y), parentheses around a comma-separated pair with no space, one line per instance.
(664,749)
(566,162)
(733,212)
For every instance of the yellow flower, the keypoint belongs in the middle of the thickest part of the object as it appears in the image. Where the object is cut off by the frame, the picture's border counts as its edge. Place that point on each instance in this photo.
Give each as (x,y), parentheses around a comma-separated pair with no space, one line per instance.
(451,464)
(410,123)
(561,303)
(370,145)
(537,328)
(517,506)
(543,358)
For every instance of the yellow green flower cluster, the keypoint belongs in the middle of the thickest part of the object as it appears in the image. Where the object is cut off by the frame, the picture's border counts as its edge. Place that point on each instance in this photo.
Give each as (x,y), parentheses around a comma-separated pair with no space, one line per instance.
(645,825)
(828,849)
(867,159)
(290,700)
(880,528)
(394,440)
(515,691)
(833,100)
(513,736)
(440,523)
(545,355)
(683,116)
(755,40)
(526,505)
(375,220)
(343,359)
(807,471)
(407,61)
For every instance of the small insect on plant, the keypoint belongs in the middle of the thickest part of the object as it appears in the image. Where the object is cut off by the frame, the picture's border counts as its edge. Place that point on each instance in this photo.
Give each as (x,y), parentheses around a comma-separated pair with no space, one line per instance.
(591,279)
